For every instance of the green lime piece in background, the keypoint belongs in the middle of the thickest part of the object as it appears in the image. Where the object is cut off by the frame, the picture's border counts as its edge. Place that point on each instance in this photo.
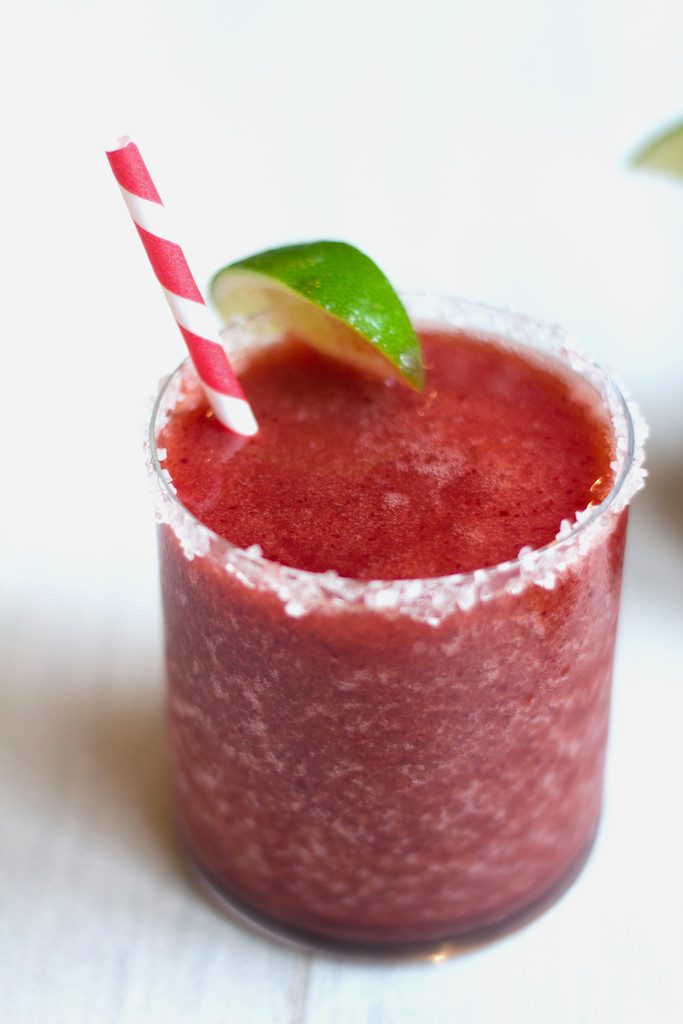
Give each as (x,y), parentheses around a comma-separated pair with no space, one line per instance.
(663,153)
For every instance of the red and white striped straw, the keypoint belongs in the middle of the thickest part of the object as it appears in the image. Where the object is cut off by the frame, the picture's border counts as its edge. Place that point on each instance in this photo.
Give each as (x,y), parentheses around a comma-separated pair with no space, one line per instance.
(223,390)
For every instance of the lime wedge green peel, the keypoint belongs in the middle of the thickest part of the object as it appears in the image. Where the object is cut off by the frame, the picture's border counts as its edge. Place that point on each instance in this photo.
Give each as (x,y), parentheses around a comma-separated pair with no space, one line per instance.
(664,153)
(333,297)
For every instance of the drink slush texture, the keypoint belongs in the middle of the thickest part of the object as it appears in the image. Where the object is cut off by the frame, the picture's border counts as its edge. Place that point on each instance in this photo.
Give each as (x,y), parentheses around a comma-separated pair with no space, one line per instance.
(390,764)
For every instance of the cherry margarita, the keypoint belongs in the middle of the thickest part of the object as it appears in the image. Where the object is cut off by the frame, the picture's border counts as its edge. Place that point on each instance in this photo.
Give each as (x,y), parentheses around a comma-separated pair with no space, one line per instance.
(368,750)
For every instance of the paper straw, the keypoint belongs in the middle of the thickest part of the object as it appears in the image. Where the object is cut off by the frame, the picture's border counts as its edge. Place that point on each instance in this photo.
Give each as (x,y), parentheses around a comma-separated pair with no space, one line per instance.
(222,388)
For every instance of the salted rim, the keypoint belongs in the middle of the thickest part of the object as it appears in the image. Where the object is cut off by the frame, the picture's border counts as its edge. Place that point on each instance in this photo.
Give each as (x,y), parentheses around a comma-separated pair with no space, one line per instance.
(429,599)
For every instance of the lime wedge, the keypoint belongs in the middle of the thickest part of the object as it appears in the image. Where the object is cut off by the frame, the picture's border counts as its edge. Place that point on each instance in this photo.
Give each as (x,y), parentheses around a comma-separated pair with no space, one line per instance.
(663,153)
(331,296)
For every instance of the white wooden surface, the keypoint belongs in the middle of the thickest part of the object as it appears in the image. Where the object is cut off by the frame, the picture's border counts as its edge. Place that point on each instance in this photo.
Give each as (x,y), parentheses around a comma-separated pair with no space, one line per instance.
(473,147)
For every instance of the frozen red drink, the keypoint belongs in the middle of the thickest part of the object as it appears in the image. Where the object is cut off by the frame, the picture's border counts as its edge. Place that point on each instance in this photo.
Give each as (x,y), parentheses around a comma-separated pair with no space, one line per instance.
(389,640)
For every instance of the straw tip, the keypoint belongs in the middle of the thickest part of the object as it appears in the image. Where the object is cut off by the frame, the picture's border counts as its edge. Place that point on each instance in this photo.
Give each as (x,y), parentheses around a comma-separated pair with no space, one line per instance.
(120,142)
(239,419)
(234,413)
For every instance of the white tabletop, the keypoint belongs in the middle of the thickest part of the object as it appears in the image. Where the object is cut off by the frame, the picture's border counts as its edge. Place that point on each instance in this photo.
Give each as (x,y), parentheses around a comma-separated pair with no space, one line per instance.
(477,148)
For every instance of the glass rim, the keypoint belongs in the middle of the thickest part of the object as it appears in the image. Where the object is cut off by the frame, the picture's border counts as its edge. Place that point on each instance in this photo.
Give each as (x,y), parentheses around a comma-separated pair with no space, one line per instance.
(630,433)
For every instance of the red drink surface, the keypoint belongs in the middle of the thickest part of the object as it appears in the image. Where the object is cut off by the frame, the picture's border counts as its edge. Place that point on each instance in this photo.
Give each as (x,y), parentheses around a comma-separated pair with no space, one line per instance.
(380,482)
(355,774)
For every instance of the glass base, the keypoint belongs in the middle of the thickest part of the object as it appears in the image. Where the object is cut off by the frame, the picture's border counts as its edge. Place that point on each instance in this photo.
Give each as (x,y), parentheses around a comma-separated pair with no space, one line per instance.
(436,950)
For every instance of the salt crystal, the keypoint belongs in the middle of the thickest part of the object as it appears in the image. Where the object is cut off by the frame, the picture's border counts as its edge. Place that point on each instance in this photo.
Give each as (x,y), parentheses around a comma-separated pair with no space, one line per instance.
(295,609)
(384,599)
